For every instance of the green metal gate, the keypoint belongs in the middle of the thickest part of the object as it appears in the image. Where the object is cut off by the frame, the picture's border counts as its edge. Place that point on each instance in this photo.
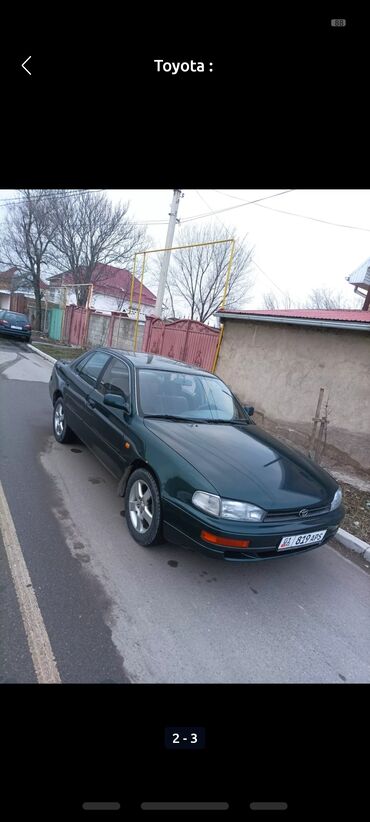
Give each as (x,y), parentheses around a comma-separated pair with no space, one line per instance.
(56,322)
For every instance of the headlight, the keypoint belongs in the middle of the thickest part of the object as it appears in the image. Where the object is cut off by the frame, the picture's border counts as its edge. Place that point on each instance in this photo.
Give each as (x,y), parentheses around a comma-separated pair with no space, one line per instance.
(337,499)
(227,508)
(231,509)
(210,503)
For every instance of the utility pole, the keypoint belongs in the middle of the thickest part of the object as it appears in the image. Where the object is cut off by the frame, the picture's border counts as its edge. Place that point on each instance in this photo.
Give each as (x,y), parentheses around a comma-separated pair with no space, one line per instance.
(167,254)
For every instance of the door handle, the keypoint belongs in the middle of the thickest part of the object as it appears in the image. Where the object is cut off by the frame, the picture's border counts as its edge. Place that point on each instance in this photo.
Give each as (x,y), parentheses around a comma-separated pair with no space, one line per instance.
(91,403)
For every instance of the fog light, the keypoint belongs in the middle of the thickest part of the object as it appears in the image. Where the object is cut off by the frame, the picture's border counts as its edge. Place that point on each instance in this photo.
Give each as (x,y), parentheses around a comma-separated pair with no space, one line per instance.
(228,543)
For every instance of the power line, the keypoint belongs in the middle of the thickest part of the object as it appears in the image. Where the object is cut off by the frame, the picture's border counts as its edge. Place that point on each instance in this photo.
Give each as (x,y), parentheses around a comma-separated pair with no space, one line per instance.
(212,212)
(293,213)
(231,208)
(65,195)
(242,200)
(257,203)
(315,219)
(269,278)
(241,243)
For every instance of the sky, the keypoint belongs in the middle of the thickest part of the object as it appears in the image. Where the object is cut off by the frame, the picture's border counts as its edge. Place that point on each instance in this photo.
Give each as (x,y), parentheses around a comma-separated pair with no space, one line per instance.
(292,254)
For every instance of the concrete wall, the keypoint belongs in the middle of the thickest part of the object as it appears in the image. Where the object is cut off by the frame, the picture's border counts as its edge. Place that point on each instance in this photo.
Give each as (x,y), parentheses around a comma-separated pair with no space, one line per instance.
(280,369)
(98,330)
(123,334)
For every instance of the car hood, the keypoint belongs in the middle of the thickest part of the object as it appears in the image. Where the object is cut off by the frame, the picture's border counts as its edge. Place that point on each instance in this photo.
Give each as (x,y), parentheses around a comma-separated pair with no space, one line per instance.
(243,462)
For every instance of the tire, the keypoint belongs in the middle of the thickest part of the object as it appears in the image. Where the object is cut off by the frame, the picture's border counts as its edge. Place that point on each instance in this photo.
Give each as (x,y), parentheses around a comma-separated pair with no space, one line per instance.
(145,525)
(62,432)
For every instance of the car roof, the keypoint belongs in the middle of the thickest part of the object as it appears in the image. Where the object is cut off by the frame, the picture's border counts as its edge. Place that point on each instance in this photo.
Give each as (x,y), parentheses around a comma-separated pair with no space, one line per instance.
(154,361)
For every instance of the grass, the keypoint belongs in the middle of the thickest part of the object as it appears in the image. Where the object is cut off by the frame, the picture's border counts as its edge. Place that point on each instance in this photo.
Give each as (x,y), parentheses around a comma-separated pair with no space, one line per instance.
(60,352)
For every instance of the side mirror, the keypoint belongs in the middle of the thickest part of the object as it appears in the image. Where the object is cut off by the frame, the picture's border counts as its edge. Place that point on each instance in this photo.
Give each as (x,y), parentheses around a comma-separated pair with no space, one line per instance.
(116,401)
(249,409)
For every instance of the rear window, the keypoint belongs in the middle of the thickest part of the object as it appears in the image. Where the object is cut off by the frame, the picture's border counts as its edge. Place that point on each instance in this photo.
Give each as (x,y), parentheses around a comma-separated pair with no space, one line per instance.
(13,317)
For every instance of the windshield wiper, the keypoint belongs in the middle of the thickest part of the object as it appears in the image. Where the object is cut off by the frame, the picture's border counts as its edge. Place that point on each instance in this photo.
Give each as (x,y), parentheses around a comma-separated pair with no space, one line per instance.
(195,419)
(229,422)
(172,417)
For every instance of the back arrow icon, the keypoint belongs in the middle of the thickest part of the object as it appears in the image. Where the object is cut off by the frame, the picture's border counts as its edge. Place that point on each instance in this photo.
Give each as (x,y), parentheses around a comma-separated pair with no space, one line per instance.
(24,65)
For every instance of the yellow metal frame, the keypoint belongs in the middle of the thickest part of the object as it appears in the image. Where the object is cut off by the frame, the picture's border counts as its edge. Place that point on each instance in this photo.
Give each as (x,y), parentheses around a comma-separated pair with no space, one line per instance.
(177,248)
(221,334)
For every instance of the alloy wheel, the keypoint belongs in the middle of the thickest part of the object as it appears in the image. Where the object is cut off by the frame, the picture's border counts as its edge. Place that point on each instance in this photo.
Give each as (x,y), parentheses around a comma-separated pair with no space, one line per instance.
(141,506)
(59,419)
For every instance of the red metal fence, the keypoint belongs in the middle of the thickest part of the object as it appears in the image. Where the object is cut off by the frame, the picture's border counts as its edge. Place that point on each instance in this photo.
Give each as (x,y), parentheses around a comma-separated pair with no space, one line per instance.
(185,340)
(75,325)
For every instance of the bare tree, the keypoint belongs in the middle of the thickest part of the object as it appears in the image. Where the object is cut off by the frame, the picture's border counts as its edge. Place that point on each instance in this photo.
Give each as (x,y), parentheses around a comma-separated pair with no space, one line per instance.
(197,275)
(90,230)
(321,298)
(326,298)
(272,302)
(25,240)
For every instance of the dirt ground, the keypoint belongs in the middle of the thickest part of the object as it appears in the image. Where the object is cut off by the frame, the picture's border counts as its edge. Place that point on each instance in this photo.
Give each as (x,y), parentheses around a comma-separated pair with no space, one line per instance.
(357,505)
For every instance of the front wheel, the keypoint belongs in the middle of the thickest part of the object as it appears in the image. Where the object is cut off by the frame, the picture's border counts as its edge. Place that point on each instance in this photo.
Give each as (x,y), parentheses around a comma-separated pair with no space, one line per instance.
(143,508)
(62,432)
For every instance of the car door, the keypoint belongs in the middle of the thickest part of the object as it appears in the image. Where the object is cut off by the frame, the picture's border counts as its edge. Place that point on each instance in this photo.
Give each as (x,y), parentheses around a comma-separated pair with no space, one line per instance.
(82,379)
(111,426)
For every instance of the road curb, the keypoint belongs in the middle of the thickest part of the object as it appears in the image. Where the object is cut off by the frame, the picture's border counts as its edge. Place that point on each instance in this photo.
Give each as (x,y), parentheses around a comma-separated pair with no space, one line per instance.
(353,543)
(41,353)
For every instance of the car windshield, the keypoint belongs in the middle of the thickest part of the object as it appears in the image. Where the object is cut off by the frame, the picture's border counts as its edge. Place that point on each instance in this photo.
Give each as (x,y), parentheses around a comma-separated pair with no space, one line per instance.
(195,397)
(15,318)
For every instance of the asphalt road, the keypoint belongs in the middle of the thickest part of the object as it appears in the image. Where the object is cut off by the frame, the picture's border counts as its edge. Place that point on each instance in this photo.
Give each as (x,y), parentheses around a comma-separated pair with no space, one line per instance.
(117,612)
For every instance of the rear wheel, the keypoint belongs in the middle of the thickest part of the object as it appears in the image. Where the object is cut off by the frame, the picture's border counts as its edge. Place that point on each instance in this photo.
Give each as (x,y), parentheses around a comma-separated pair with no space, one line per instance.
(62,432)
(143,508)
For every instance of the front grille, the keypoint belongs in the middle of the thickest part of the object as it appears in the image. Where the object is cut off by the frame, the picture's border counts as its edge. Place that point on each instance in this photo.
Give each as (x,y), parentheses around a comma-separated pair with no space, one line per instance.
(286,516)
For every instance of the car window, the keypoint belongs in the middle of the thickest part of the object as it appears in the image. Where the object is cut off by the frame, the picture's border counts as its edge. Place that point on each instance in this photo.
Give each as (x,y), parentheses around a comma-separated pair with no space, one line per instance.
(81,361)
(89,370)
(199,397)
(13,317)
(116,379)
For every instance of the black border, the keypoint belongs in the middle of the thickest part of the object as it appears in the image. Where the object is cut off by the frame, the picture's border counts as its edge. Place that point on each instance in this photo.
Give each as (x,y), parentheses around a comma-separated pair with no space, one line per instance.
(298,743)
(285,105)
(295,115)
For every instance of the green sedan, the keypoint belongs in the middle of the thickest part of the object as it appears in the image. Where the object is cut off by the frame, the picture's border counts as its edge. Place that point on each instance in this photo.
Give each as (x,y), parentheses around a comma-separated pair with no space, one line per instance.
(191,463)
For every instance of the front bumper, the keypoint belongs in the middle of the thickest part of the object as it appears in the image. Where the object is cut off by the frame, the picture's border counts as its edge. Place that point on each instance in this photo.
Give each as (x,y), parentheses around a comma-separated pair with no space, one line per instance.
(184,527)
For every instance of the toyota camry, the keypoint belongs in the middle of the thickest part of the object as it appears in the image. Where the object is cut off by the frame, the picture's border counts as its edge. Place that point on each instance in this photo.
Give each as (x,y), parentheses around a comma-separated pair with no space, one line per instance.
(193,466)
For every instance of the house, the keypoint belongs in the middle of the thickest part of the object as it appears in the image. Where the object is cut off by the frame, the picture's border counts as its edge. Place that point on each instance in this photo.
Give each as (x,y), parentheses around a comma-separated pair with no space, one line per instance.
(111,290)
(6,289)
(278,360)
(360,278)
(16,298)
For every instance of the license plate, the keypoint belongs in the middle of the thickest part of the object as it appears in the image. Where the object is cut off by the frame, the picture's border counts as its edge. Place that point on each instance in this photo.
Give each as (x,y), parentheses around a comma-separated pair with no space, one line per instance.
(301,539)
(17,327)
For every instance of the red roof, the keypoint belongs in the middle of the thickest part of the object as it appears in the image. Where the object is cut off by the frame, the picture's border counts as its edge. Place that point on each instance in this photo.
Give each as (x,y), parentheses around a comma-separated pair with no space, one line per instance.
(333,314)
(9,274)
(110,280)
